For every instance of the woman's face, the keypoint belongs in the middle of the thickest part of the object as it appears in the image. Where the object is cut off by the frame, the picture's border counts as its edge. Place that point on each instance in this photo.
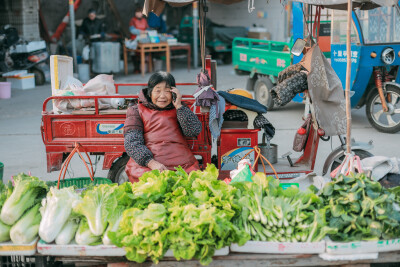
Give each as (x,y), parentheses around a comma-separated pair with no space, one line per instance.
(161,95)
(139,14)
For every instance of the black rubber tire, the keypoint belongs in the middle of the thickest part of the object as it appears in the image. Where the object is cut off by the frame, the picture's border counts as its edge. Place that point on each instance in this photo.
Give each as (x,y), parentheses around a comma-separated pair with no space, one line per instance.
(40,79)
(250,83)
(227,58)
(370,105)
(262,91)
(359,152)
(117,169)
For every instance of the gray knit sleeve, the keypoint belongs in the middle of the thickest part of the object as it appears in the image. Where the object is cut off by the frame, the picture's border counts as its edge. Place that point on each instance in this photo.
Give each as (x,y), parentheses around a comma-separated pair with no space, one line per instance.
(189,122)
(135,147)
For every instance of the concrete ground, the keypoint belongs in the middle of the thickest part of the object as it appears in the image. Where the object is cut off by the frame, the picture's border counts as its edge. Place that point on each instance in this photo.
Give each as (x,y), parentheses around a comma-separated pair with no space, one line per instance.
(22,149)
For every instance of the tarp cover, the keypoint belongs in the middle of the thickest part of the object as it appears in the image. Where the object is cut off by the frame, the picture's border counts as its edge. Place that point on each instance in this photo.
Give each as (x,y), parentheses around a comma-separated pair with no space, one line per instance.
(157,6)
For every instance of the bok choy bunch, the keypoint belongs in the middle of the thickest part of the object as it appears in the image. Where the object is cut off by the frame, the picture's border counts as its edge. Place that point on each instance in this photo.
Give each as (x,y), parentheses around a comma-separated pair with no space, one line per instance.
(361,209)
(270,213)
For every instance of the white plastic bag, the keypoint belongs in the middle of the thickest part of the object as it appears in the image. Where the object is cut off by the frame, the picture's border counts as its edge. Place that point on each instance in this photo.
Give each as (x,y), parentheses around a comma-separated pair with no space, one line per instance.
(102,84)
(131,44)
(86,52)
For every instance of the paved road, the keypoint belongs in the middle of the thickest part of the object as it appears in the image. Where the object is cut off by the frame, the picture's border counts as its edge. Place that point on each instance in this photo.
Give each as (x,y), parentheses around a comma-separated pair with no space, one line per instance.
(22,149)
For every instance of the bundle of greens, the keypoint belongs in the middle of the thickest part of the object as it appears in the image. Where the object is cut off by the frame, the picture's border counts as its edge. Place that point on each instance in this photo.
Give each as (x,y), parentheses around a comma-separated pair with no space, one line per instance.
(190,214)
(5,192)
(198,231)
(56,209)
(270,213)
(142,233)
(361,209)
(101,206)
(20,216)
(26,229)
(27,192)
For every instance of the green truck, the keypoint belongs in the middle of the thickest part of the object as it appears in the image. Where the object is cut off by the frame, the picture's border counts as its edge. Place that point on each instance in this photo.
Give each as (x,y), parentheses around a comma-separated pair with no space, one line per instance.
(262,60)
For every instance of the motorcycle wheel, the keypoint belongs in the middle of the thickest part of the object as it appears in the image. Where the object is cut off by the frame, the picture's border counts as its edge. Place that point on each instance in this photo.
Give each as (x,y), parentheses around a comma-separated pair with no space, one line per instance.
(117,172)
(386,122)
(359,152)
(262,91)
(39,76)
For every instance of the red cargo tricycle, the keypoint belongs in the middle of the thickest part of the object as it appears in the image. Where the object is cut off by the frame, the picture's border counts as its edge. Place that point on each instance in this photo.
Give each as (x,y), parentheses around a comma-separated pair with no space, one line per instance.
(100,132)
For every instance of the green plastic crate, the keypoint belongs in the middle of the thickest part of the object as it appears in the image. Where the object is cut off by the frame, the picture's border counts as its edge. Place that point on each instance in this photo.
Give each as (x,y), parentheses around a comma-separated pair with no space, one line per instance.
(80,182)
(287,185)
(1,171)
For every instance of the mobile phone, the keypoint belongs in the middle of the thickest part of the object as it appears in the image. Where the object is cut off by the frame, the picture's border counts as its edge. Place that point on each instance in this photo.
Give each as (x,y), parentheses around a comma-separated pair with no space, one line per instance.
(173,95)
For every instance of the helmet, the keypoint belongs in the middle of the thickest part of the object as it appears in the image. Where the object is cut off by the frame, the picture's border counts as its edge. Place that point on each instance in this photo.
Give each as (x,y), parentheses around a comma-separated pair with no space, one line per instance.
(239,91)
(242,92)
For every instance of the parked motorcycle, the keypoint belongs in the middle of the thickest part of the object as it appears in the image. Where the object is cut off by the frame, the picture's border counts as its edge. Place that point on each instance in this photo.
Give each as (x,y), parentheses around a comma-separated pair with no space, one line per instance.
(15,55)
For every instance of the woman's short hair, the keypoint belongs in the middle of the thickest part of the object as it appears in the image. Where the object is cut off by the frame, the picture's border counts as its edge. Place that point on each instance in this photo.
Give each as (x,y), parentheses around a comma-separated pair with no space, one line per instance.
(159,77)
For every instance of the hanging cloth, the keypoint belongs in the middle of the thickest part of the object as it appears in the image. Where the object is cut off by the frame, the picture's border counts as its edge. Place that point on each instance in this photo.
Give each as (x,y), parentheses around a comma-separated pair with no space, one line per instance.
(326,93)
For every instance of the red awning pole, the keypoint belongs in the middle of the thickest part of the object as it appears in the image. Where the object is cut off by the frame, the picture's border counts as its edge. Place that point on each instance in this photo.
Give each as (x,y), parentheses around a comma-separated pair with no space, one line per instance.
(60,29)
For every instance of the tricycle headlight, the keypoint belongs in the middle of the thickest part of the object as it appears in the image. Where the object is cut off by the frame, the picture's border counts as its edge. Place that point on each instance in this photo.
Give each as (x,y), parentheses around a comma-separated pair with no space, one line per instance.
(388,56)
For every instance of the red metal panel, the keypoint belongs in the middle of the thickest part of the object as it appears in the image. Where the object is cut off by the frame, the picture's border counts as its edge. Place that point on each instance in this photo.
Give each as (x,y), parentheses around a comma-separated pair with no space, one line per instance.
(232,141)
(54,161)
(109,158)
(68,128)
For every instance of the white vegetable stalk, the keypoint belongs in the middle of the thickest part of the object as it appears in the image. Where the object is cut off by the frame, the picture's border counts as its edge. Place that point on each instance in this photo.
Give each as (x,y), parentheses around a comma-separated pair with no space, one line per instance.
(26,229)
(84,236)
(4,232)
(56,209)
(67,233)
(111,228)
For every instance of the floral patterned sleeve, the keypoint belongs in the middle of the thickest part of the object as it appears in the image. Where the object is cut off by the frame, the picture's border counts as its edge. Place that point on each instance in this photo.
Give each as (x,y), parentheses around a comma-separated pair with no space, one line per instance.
(135,147)
(189,122)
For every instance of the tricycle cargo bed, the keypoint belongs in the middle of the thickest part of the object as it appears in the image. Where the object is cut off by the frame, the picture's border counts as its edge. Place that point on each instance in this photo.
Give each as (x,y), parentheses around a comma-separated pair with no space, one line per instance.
(100,132)
(260,56)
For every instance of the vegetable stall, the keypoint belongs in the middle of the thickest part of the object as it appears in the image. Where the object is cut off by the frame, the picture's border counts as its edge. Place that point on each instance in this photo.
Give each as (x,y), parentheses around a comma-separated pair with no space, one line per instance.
(197,218)
(180,219)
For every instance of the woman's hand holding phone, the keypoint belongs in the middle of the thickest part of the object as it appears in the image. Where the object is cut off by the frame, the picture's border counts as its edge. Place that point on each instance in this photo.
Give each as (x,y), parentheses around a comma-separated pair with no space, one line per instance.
(176,97)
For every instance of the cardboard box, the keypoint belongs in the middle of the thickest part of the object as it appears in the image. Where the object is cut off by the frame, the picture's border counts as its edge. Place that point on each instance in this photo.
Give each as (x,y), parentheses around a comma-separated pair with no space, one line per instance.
(259,35)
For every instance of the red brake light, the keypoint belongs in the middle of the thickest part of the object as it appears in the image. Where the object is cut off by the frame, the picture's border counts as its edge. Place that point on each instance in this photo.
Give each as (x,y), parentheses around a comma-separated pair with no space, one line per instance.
(33,58)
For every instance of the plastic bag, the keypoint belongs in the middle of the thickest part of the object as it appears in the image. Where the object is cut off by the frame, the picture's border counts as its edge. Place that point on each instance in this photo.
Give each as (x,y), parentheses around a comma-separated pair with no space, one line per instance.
(243,173)
(131,44)
(102,84)
(86,52)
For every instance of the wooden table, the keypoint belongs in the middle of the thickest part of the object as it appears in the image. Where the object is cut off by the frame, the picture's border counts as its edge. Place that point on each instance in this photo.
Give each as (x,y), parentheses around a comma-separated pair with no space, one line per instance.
(238,260)
(149,48)
(182,46)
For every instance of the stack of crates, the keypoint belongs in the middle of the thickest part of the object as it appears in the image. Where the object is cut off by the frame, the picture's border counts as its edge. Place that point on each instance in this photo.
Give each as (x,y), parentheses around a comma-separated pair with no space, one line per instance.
(23,15)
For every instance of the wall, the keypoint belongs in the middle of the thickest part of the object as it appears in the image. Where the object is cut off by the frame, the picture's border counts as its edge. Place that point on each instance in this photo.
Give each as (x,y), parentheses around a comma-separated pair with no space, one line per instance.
(238,15)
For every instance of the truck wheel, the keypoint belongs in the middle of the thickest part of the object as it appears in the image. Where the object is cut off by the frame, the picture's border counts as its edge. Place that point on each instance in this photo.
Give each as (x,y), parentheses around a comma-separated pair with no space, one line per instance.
(117,172)
(387,122)
(39,76)
(262,91)
(359,152)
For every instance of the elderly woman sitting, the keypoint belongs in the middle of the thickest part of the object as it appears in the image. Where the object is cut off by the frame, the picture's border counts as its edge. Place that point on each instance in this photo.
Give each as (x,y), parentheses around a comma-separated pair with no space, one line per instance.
(156,127)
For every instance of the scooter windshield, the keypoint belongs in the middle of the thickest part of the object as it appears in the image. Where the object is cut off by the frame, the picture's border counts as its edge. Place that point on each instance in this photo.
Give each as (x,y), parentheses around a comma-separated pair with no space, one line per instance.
(380,25)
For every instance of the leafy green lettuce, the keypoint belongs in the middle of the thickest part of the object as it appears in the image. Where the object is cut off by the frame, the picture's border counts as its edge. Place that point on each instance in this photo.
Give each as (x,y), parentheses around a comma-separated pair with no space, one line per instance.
(142,233)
